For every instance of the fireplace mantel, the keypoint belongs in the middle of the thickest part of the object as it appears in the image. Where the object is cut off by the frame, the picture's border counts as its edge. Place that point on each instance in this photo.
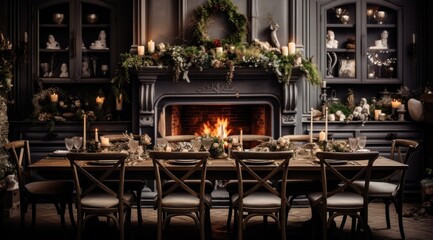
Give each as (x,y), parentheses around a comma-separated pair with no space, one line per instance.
(154,87)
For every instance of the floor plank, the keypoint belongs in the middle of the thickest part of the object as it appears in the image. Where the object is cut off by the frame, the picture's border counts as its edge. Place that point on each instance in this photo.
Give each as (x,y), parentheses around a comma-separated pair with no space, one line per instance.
(48,226)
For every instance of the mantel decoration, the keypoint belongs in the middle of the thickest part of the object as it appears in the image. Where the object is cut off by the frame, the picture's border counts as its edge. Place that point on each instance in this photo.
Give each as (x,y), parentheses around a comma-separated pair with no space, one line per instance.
(230,52)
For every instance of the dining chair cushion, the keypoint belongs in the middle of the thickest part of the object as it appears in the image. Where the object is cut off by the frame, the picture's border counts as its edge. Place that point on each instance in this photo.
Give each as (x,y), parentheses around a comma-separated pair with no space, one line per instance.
(183,200)
(379,189)
(49,187)
(340,200)
(258,200)
(103,200)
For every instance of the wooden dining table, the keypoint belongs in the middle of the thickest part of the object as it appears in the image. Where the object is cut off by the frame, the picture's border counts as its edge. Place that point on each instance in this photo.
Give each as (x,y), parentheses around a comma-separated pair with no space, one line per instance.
(218,169)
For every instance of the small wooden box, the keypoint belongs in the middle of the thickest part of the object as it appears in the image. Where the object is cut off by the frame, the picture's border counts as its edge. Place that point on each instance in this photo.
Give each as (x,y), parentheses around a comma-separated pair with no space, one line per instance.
(10,198)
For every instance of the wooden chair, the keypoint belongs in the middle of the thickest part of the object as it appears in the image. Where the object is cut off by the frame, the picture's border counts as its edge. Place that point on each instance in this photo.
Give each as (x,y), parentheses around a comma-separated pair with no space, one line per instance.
(94,195)
(136,186)
(231,186)
(345,198)
(179,198)
(388,191)
(58,192)
(255,202)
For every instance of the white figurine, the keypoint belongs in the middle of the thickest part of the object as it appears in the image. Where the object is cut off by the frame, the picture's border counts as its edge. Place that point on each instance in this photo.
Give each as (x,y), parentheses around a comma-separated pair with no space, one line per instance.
(52,43)
(12,183)
(274,27)
(64,71)
(85,69)
(102,38)
(384,39)
(365,106)
(330,40)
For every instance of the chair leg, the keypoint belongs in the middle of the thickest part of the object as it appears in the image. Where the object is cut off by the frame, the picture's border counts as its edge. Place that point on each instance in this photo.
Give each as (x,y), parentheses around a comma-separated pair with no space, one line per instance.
(159,225)
(71,214)
(399,209)
(229,217)
(33,215)
(343,222)
(139,213)
(62,210)
(23,209)
(202,225)
(208,224)
(388,223)
(240,224)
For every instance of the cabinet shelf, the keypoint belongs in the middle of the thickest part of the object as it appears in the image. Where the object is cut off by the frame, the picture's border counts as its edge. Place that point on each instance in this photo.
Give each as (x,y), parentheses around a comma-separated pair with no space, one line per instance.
(343,50)
(340,25)
(53,50)
(381,25)
(96,50)
(382,50)
(51,25)
(55,80)
(96,25)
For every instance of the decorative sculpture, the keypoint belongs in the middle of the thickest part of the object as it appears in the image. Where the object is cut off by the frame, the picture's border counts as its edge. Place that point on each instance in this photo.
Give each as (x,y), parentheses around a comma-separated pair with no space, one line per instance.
(332,61)
(274,27)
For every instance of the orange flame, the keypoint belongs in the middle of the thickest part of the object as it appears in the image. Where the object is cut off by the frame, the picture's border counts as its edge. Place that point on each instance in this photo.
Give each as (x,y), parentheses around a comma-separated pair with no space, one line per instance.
(215,130)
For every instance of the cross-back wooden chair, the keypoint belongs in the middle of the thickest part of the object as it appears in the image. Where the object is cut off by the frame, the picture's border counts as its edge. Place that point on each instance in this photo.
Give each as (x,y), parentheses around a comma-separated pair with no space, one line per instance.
(231,186)
(58,192)
(260,199)
(94,195)
(179,198)
(345,198)
(386,189)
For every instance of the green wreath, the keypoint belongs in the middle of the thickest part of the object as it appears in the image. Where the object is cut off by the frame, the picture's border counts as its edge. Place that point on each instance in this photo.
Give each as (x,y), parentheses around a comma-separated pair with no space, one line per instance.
(238,22)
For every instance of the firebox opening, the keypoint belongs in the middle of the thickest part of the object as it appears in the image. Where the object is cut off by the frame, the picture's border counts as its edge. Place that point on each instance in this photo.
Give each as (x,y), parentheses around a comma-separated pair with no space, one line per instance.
(189,119)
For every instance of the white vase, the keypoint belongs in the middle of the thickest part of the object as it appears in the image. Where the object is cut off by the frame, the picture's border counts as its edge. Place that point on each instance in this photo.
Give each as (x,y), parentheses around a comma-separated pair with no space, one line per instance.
(416,109)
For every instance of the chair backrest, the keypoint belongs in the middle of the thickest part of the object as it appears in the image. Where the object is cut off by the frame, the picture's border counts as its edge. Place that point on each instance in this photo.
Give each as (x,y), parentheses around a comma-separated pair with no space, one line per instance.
(159,159)
(88,182)
(346,180)
(19,153)
(246,171)
(397,148)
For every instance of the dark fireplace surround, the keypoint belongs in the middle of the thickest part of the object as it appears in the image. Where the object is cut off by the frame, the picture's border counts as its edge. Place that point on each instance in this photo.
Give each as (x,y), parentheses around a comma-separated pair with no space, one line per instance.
(273,105)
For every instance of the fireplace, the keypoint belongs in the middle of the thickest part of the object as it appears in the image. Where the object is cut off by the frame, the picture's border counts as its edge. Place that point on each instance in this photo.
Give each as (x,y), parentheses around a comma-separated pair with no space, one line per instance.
(254,102)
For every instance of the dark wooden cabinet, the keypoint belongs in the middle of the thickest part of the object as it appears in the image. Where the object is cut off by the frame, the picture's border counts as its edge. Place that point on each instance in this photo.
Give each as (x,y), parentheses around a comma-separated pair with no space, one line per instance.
(79,36)
(361,42)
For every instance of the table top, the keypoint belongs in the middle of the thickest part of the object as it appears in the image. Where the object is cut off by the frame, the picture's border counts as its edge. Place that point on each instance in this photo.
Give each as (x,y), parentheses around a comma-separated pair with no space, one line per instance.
(224,168)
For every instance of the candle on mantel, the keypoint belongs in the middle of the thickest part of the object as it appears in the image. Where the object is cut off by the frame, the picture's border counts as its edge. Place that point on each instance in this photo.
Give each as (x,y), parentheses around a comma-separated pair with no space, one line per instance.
(322,136)
(395,103)
(151,46)
(84,131)
(96,135)
(292,48)
(311,125)
(54,97)
(140,50)
(219,51)
(285,51)
(326,123)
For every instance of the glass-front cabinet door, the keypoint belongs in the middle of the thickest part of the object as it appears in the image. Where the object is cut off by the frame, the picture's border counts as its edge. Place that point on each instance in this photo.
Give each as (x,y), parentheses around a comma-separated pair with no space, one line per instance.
(361,42)
(74,39)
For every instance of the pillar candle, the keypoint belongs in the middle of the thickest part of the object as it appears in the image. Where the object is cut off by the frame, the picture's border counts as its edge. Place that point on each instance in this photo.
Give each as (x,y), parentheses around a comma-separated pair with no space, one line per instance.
(241,138)
(323,84)
(218,51)
(377,113)
(84,131)
(311,125)
(292,48)
(151,46)
(395,103)
(105,141)
(326,123)
(54,97)
(140,50)
(285,51)
(322,136)
(96,135)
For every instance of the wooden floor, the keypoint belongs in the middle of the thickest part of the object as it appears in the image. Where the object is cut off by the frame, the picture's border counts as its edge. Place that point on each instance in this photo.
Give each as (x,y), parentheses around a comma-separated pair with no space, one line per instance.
(48,226)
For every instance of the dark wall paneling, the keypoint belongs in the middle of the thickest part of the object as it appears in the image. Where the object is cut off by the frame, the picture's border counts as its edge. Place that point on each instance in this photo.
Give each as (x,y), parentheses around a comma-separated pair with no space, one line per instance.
(266,13)
(162,18)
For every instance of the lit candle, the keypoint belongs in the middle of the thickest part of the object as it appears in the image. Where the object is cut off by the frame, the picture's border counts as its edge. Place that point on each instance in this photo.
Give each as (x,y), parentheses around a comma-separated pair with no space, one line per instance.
(119,103)
(54,97)
(285,50)
(395,103)
(151,46)
(326,123)
(311,126)
(140,50)
(100,101)
(322,136)
(84,131)
(219,51)
(241,138)
(105,142)
(96,135)
(377,113)
(292,48)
